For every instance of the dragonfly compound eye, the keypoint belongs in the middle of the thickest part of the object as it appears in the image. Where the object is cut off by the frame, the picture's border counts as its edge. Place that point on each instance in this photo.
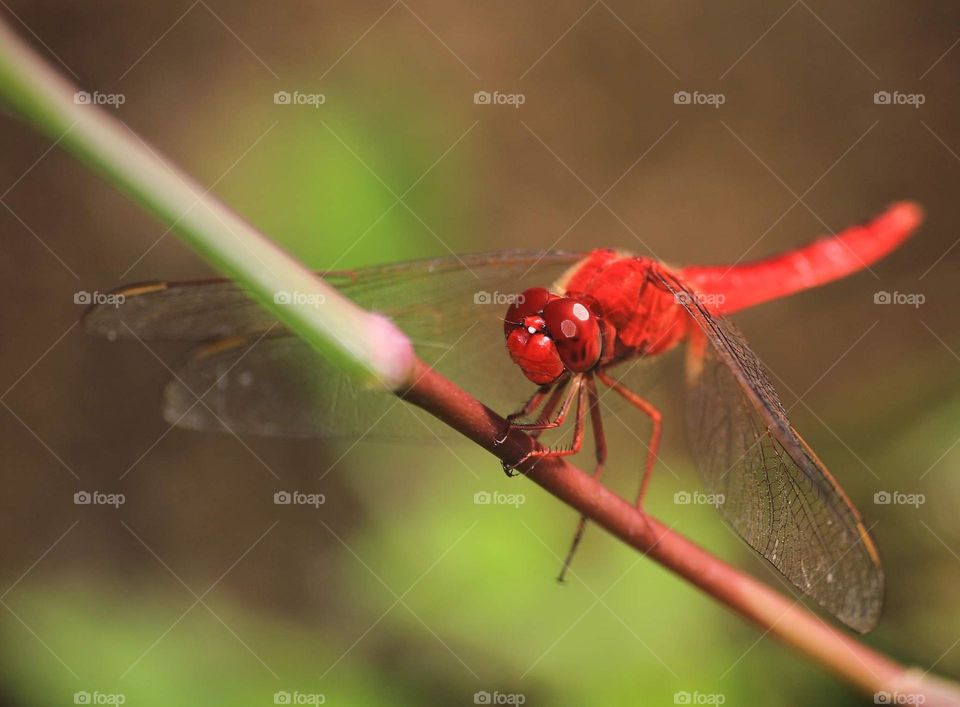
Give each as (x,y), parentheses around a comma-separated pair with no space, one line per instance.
(527,303)
(575,332)
(527,340)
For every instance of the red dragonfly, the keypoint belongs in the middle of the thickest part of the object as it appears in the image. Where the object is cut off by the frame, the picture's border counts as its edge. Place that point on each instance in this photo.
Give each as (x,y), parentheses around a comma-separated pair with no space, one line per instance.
(584,318)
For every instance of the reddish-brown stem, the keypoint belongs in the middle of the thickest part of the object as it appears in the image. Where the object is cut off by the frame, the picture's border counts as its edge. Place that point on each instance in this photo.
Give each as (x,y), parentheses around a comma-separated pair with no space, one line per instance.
(773,612)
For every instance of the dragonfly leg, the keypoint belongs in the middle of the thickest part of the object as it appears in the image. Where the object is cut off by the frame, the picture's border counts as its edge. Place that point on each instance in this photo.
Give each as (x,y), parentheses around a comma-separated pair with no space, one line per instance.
(650,411)
(578,390)
(530,406)
(572,392)
(550,406)
(600,445)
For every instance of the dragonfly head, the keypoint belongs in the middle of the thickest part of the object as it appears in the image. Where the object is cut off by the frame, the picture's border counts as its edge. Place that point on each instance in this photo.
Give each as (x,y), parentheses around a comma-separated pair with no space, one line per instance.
(548,335)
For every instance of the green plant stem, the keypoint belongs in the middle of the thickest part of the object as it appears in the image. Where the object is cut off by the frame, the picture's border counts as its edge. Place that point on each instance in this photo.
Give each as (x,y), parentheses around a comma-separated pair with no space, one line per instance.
(361,343)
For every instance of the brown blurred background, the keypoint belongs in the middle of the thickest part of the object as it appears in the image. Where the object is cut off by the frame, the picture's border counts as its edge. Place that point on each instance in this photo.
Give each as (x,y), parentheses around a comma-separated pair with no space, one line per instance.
(305,601)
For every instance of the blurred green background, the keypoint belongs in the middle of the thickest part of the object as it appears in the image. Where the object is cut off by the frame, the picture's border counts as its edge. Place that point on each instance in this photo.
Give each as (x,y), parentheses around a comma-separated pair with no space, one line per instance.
(400,589)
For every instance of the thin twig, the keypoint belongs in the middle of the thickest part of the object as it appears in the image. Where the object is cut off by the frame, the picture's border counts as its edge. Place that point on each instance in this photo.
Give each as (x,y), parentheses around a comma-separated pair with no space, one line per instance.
(776,614)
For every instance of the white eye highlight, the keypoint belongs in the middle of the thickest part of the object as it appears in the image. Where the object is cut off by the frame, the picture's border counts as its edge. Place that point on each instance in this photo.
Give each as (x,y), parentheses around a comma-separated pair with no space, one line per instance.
(568,328)
(532,329)
(581,312)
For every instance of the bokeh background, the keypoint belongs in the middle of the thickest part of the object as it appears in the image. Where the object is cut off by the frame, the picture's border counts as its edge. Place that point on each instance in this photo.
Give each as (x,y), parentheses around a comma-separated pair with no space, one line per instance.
(401,590)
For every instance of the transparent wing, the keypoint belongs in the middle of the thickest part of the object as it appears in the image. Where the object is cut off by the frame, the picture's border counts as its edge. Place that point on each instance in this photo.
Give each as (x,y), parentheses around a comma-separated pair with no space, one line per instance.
(280,386)
(777,494)
(255,377)
(419,295)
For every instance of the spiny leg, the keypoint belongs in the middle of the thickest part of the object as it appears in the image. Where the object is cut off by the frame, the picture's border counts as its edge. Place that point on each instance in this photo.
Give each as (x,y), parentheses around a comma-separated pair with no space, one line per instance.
(565,390)
(552,391)
(575,387)
(547,410)
(578,391)
(650,411)
(600,444)
(528,407)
